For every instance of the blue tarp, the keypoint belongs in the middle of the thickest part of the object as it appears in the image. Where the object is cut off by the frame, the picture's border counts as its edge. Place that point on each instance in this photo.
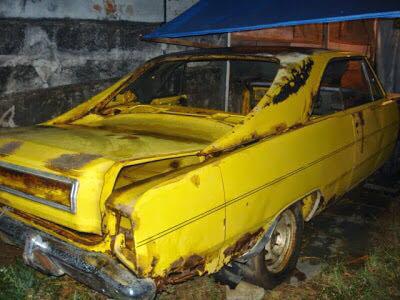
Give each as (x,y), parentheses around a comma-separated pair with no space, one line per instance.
(222,16)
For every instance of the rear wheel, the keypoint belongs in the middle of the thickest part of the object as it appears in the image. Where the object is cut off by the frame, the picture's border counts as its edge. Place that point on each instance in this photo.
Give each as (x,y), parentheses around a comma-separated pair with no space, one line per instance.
(280,255)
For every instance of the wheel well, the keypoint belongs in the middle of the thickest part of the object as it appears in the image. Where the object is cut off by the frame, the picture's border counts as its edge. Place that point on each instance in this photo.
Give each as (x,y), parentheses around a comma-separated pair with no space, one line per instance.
(310,204)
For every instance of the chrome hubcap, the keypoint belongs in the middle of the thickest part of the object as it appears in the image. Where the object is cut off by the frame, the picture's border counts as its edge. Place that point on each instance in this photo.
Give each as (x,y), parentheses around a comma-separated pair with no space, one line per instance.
(280,247)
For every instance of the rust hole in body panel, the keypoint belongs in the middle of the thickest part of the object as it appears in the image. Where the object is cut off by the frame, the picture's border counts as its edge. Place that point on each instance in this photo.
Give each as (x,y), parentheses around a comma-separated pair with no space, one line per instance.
(245,243)
(182,270)
(10,148)
(67,162)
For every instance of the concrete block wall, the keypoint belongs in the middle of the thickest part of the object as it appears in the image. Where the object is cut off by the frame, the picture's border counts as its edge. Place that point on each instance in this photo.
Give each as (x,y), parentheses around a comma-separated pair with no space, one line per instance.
(46,53)
(150,11)
(50,48)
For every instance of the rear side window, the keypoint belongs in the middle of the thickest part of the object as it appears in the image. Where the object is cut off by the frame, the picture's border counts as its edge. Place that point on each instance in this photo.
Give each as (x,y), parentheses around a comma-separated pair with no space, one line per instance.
(344,85)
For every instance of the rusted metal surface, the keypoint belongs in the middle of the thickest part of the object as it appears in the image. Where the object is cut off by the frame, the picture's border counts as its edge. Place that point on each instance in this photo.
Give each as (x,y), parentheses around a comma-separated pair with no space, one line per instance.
(66,233)
(68,162)
(10,148)
(292,84)
(245,243)
(182,270)
(30,184)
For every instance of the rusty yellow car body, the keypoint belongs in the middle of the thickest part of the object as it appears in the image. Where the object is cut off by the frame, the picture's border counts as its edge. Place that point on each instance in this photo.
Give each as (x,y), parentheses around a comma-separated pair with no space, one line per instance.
(203,190)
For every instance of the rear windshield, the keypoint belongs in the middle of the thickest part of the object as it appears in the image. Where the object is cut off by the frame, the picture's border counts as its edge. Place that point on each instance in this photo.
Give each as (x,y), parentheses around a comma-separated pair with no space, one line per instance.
(226,85)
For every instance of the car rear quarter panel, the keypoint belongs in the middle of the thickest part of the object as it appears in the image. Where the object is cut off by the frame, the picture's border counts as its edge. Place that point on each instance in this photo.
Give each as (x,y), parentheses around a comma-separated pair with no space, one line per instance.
(63,163)
(179,224)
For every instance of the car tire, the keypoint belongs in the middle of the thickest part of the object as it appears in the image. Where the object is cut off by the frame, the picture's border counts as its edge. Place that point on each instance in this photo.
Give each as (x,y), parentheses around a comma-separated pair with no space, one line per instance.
(279,257)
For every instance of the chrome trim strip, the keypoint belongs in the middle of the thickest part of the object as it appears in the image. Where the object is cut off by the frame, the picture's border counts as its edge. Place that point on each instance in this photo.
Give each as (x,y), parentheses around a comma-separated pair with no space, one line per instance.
(73,182)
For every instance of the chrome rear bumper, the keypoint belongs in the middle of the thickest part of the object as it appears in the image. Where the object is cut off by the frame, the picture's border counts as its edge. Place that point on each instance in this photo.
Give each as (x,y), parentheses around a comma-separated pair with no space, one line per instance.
(55,257)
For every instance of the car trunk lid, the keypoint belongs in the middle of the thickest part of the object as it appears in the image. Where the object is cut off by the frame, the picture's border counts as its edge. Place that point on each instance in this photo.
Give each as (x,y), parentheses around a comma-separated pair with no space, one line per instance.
(58,173)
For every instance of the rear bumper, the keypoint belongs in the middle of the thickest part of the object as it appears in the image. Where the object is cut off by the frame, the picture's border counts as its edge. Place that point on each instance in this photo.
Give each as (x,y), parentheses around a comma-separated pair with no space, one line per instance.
(55,257)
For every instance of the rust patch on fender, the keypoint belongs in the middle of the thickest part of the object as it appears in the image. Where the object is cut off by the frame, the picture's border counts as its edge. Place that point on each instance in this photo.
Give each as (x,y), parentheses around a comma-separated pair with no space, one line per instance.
(9,148)
(280,128)
(67,162)
(245,243)
(182,270)
(154,262)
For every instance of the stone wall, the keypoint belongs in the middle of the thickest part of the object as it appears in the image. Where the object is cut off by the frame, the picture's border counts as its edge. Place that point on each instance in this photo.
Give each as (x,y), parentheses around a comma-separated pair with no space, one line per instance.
(54,54)
(46,53)
(39,54)
(37,106)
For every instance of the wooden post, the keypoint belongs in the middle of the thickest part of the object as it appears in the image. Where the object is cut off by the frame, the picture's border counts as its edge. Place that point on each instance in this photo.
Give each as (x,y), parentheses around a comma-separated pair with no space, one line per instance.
(325,35)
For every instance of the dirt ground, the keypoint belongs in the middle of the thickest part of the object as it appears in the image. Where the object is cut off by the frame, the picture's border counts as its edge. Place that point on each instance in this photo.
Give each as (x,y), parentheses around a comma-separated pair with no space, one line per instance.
(8,254)
(342,232)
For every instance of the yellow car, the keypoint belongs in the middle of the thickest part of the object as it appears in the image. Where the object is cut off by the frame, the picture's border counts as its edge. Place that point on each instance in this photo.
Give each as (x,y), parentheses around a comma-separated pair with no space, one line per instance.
(196,162)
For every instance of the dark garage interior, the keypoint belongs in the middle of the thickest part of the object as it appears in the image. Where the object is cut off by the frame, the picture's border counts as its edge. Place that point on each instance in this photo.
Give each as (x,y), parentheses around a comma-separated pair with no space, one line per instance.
(56,55)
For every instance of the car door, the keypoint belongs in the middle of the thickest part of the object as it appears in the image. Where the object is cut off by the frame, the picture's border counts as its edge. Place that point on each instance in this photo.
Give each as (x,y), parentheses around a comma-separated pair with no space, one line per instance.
(359,102)
(333,125)
(386,112)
